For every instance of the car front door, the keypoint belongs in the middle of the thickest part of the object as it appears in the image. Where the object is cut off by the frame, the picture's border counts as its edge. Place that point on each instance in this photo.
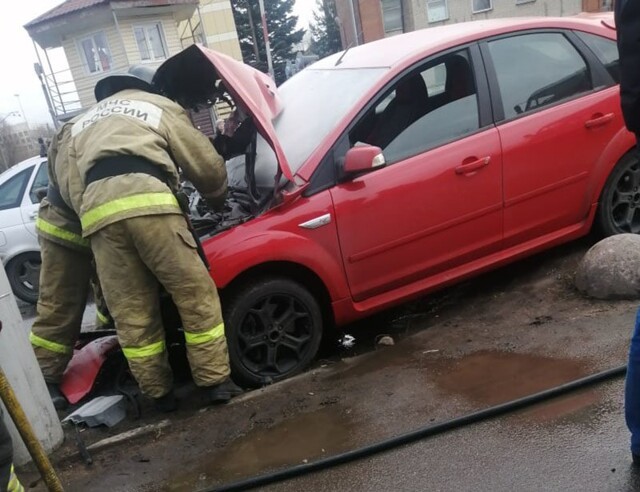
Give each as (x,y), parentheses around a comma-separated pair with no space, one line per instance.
(555,117)
(30,202)
(437,204)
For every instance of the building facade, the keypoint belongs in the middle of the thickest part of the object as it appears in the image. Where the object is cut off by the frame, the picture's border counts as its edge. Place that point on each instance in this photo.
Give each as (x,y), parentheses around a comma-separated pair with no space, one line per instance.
(100,37)
(362,21)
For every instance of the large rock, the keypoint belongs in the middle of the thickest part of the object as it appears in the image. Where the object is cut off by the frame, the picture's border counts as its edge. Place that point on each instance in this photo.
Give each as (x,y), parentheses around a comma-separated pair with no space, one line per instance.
(611,269)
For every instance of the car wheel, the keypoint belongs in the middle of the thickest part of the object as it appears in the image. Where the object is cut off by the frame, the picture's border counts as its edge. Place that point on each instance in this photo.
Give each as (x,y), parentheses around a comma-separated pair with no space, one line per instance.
(23,273)
(619,210)
(274,329)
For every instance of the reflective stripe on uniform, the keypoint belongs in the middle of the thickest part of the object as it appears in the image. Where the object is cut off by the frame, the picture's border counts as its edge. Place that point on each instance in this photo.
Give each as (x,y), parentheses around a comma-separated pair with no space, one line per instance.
(204,337)
(60,233)
(145,351)
(14,483)
(102,318)
(58,348)
(125,204)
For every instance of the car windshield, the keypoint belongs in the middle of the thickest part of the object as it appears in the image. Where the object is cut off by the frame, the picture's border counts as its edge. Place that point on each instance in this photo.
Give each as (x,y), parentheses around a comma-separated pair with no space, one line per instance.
(314,102)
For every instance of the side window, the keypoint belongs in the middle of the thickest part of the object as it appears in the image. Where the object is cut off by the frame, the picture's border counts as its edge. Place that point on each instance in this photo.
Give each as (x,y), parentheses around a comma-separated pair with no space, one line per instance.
(41,181)
(428,107)
(606,50)
(11,191)
(554,70)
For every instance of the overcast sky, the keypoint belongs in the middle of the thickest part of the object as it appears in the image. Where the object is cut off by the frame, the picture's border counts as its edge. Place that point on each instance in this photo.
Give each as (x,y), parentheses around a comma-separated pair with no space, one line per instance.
(17,57)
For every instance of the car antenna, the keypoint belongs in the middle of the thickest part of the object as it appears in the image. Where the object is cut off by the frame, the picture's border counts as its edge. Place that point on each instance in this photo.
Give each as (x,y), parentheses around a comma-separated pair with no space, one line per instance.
(343,55)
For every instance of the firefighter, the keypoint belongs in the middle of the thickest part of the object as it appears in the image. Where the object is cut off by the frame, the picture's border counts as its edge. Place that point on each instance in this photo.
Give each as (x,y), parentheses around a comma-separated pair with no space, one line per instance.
(124,157)
(627,13)
(8,480)
(65,277)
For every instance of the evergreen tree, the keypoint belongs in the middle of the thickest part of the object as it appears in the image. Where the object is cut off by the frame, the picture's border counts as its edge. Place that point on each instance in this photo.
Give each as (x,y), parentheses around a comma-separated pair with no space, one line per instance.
(283,33)
(325,31)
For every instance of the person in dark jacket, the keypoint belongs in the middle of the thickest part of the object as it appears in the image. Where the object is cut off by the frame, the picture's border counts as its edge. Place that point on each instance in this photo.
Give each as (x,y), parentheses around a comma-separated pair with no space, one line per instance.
(627,14)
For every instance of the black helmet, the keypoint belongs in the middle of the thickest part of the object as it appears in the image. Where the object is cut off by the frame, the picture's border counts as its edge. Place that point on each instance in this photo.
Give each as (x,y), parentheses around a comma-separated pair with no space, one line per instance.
(137,77)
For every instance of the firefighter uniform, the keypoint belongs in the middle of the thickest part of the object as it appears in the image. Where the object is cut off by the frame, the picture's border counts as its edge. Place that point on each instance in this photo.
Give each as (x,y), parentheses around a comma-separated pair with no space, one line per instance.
(8,480)
(66,274)
(124,154)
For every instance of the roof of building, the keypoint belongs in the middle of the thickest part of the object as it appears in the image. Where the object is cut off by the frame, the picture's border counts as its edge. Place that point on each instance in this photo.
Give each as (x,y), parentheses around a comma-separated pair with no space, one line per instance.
(71,6)
(66,7)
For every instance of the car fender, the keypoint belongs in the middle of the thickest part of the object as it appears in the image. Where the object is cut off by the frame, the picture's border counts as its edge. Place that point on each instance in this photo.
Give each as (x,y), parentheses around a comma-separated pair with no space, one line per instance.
(622,142)
(238,254)
(17,240)
(84,367)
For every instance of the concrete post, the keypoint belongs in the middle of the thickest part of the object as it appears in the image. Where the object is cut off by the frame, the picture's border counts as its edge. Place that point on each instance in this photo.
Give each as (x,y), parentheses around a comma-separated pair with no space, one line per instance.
(21,368)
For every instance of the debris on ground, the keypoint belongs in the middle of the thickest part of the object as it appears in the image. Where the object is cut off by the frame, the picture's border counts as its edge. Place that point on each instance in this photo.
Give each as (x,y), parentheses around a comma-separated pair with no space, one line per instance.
(384,340)
(103,410)
(347,341)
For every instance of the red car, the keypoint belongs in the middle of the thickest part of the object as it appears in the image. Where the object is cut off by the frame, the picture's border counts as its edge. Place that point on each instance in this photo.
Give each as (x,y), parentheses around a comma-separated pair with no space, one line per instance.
(406,165)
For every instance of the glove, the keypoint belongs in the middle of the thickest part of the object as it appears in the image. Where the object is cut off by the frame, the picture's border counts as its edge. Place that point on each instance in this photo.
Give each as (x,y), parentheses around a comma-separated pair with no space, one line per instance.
(229,147)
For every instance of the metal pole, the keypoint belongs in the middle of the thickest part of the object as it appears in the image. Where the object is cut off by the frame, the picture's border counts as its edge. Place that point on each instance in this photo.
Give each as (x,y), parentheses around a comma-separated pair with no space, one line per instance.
(28,436)
(265,33)
(24,116)
(204,32)
(353,21)
(55,81)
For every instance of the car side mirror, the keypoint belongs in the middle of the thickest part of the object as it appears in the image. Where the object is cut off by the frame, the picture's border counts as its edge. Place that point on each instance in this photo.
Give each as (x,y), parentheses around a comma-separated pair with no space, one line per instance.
(40,193)
(363,158)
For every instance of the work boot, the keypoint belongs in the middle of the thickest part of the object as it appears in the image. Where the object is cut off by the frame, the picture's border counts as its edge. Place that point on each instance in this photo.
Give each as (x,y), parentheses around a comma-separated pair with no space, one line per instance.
(58,399)
(223,392)
(167,403)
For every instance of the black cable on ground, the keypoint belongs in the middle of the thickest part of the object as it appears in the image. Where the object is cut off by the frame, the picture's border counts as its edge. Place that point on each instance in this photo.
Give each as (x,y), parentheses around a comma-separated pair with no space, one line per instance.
(421,433)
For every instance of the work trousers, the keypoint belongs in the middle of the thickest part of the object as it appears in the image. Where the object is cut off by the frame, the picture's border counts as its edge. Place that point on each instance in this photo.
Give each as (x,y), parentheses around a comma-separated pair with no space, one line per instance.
(632,389)
(133,257)
(64,286)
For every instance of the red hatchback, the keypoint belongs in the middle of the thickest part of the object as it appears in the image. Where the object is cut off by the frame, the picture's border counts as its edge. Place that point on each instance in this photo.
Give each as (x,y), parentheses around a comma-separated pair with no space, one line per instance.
(406,165)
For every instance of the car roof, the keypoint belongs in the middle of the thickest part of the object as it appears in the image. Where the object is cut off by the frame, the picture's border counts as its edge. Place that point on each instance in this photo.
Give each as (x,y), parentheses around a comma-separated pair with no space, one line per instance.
(388,52)
(13,170)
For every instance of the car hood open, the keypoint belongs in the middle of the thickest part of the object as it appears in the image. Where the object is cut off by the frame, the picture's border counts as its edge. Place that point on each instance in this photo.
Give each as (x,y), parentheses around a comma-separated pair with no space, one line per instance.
(192,75)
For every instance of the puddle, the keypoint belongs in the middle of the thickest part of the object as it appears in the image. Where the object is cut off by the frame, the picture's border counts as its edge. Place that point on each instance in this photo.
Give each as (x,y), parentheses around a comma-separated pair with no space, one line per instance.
(306,437)
(491,377)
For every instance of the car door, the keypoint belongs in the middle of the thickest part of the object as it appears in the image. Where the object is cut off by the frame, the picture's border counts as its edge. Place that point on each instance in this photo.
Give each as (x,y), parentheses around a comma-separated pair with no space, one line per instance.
(30,202)
(438,202)
(12,190)
(554,121)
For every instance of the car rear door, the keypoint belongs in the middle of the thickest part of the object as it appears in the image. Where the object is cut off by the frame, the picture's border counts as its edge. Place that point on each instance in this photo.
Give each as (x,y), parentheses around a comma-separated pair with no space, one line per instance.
(556,112)
(438,202)
(30,202)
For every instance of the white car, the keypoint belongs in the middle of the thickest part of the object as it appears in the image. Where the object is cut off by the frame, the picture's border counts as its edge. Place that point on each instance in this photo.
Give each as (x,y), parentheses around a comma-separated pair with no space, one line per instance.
(19,248)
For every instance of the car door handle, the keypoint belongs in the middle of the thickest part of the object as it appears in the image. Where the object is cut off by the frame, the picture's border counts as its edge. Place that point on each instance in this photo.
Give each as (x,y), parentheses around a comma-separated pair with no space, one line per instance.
(33,215)
(599,120)
(473,166)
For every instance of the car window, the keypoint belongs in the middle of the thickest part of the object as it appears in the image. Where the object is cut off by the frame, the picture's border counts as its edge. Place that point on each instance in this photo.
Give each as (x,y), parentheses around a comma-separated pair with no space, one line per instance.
(426,108)
(41,181)
(606,50)
(449,122)
(12,190)
(537,70)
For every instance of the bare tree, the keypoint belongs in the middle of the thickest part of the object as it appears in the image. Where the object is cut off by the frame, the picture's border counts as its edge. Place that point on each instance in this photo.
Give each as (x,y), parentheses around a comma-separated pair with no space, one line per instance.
(8,147)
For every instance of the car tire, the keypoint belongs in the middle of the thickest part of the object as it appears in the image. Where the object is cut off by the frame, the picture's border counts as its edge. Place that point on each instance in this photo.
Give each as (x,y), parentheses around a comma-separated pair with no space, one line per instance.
(274,329)
(23,273)
(619,208)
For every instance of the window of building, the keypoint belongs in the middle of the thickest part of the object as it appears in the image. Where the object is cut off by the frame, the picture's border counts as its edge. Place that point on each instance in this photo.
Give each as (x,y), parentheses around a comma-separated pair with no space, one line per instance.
(606,50)
(95,53)
(519,2)
(555,71)
(150,40)
(481,5)
(437,10)
(392,16)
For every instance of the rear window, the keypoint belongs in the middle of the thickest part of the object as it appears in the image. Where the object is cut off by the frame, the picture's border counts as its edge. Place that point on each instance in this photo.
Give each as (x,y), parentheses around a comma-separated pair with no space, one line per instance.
(606,50)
